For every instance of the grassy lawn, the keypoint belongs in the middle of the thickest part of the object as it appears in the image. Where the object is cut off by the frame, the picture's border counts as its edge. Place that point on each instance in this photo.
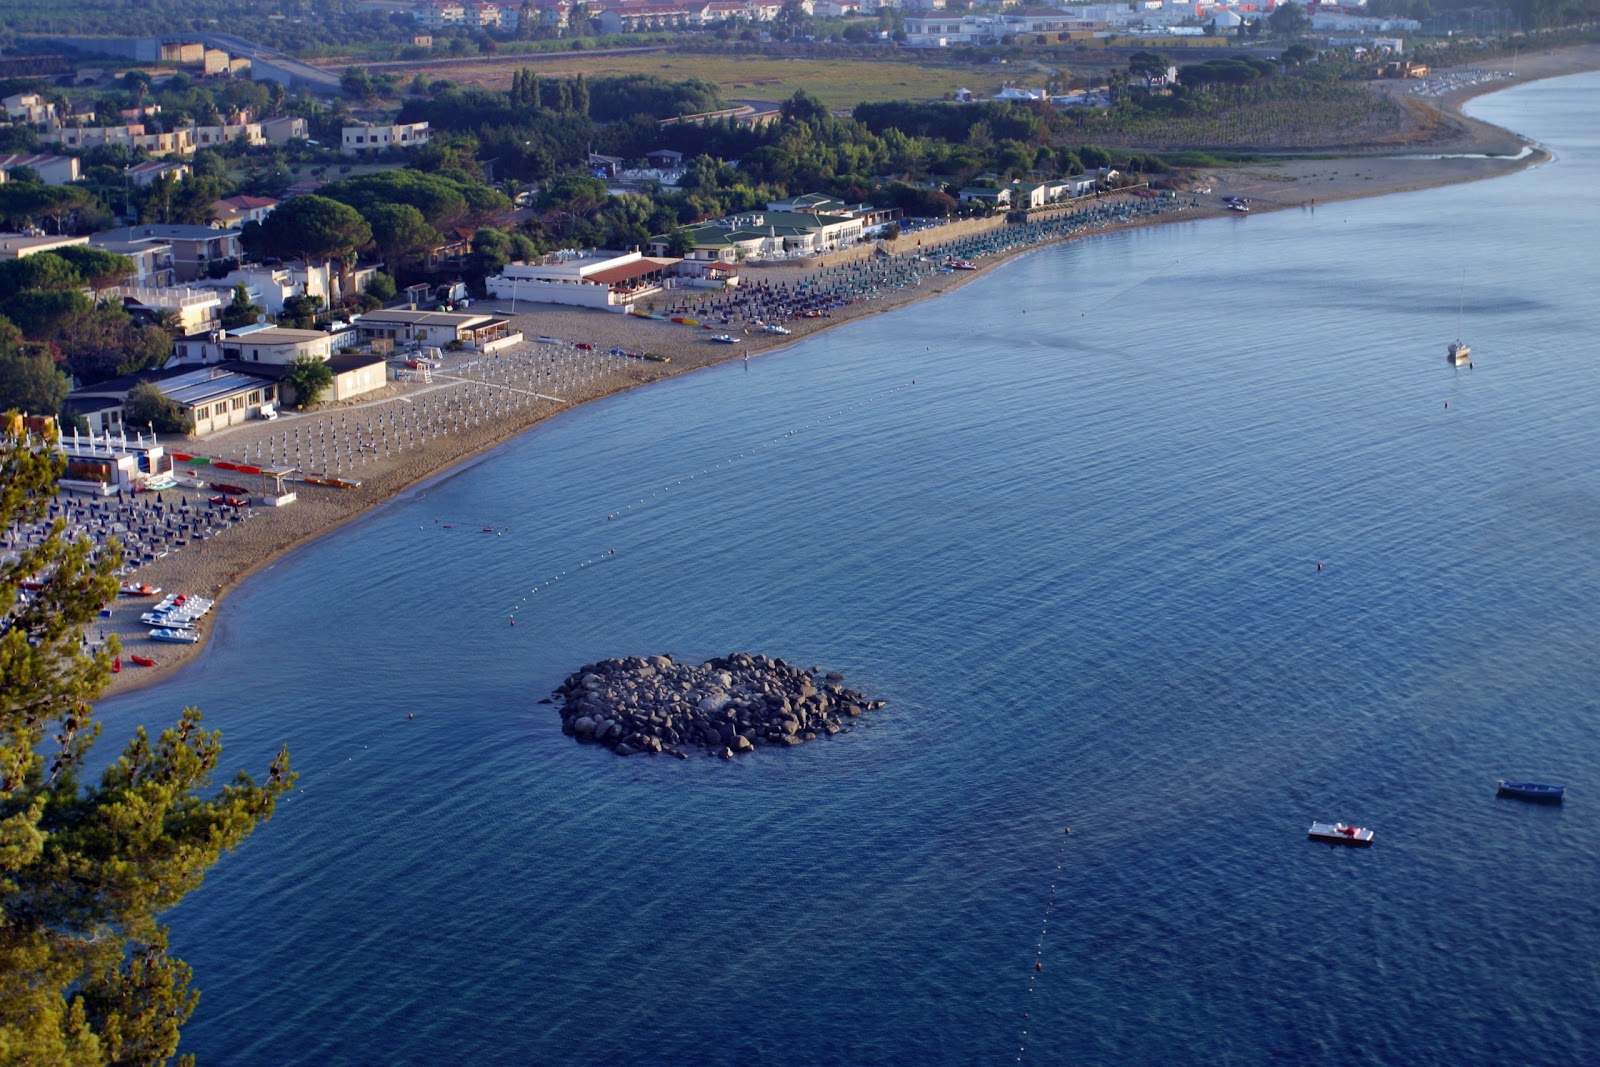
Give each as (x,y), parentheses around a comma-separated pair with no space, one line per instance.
(838,83)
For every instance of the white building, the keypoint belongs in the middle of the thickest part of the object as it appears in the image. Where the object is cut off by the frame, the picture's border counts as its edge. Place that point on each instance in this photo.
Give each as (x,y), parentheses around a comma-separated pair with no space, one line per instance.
(436,329)
(52,170)
(611,282)
(195,309)
(358,140)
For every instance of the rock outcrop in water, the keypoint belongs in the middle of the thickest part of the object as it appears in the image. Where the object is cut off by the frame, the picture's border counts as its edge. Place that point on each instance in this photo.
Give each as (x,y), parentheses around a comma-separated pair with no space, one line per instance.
(728,705)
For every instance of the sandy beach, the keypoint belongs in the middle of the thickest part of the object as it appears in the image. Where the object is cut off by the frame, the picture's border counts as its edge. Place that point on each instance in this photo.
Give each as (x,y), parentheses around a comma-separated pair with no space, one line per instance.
(1458,150)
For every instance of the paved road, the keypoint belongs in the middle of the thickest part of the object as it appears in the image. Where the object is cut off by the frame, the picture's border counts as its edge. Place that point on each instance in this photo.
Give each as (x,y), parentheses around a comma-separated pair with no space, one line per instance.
(303,75)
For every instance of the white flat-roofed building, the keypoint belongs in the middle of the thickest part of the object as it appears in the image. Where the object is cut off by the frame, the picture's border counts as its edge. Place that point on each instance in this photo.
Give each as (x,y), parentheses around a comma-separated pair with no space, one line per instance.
(218,397)
(195,309)
(214,397)
(358,140)
(436,328)
(18,245)
(609,282)
(357,373)
(274,344)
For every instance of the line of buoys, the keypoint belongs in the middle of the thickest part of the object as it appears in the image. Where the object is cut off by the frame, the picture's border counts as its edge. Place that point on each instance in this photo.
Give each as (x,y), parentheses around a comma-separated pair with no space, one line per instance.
(1038,951)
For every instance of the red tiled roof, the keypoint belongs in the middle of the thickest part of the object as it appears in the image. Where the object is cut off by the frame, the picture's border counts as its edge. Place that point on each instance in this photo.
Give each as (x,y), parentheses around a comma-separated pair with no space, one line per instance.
(628,271)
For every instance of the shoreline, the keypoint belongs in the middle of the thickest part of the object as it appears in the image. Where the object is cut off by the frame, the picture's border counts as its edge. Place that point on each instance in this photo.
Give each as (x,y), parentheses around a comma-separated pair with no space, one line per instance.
(1469,150)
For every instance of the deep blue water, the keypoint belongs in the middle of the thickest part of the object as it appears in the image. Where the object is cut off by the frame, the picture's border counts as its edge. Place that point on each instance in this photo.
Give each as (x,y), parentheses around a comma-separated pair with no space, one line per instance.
(1078,556)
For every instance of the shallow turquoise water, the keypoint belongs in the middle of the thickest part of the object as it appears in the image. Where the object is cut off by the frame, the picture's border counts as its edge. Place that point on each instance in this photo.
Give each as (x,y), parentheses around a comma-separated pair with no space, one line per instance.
(1078,556)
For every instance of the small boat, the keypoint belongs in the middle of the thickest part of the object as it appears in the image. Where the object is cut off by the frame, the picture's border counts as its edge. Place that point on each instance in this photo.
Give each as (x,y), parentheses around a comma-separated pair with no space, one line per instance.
(142,661)
(176,637)
(1338,833)
(772,327)
(684,320)
(116,665)
(1240,206)
(652,357)
(1460,352)
(170,620)
(137,589)
(584,346)
(725,339)
(1532,791)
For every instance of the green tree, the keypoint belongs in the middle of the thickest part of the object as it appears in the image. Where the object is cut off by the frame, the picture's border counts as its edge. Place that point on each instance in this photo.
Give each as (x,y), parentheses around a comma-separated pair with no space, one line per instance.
(803,106)
(43,270)
(314,229)
(300,312)
(87,871)
(98,268)
(491,250)
(1148,66)
(29,380)
(309,377)
(398,231)
(148,406)
(240,311)
(1288,20)
(43,313)
(679,243)
(382,288)
(1298,54)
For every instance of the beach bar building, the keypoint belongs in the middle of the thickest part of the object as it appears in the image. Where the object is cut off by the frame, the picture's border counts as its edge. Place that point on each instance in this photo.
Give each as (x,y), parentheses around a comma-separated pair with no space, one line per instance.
(107,463)
(437,329)
(608,281)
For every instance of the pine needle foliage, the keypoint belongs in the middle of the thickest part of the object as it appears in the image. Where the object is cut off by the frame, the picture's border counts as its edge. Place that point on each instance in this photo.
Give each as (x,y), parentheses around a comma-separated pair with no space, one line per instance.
(87,869)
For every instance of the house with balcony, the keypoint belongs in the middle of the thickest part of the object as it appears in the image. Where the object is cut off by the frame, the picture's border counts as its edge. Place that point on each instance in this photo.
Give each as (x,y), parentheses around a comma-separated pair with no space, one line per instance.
(360,140)
(30,109)
(441,14)
(153,265)
(192,310)
(193,249)
(635,16)
(132,136)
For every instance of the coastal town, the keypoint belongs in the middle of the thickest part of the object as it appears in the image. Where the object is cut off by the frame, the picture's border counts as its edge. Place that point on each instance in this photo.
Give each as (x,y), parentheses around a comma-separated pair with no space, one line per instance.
(288,360)
(268,269)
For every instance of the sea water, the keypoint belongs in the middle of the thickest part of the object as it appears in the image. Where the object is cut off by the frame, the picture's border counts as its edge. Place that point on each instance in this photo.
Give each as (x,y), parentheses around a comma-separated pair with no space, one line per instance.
(1183,537)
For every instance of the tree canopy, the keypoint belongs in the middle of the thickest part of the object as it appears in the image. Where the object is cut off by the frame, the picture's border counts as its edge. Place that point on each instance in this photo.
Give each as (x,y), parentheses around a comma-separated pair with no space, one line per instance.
(87,870)
(315,229)
(148,406)
(310,377)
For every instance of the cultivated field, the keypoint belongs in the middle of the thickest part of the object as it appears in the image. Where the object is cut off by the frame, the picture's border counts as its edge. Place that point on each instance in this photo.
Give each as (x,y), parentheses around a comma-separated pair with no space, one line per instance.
(837,82)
